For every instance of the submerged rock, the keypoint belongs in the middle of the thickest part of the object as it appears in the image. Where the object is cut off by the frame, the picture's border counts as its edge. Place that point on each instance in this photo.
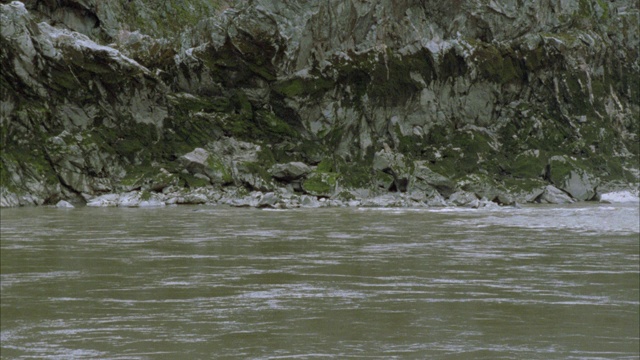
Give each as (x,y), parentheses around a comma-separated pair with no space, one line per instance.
(64,205)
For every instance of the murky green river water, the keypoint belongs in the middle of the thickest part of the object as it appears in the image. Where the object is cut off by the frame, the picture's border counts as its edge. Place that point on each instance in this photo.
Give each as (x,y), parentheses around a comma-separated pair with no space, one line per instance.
(208,283)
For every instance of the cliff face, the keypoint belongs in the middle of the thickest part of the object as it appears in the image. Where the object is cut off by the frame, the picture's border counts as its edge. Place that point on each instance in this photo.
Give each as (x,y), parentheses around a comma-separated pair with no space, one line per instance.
(497,98)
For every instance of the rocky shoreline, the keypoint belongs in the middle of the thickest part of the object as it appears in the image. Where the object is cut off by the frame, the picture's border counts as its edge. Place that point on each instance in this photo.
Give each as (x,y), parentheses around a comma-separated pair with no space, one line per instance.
(283,104)
(283,198)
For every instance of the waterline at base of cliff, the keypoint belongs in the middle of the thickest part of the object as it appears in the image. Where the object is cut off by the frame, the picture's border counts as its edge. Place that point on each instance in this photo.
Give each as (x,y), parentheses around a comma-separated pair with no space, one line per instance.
(406,103)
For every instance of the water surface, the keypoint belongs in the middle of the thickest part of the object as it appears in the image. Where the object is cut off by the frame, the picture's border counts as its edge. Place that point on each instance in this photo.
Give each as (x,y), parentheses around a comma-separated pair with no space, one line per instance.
(543,282)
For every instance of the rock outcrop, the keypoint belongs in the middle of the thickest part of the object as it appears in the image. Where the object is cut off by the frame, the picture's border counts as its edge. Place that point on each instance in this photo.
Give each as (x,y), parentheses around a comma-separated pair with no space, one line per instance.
(396,102)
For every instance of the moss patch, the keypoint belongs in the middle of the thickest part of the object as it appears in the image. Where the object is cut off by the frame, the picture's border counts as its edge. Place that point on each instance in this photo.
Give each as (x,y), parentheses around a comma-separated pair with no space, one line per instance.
(312,86)
(320,183)
(496,66)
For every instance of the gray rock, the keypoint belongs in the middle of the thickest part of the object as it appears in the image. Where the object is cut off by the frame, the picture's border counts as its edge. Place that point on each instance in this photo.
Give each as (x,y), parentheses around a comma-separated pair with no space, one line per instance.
(387,162)
(553,195)
(464,198)
(7,198)
(435,200)
(290,171)
(108,200)
(64,205)
(504,199)
(309,201)
(566,175)
(580,184)
(400,72)
(130,199)
(268,200)
(384,201)
(196,161)
(253,176)
(424,177)
(207,166)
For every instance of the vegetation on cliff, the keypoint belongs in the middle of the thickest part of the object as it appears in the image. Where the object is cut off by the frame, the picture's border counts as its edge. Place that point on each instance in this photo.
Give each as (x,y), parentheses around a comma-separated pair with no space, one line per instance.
(96,101)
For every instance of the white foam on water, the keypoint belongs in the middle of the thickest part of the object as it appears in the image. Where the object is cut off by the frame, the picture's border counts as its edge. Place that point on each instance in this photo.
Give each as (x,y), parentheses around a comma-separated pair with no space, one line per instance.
(587,219)
(620,197)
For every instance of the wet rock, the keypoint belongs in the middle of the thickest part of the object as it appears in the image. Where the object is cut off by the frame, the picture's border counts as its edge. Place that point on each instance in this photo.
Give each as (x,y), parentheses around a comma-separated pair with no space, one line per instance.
(193,199)
(250,200)
(464,198)
(268,200)
(435,200)
(383,201)
(504,199)
(309,201)
(131,199)
(64,205)
(108,200)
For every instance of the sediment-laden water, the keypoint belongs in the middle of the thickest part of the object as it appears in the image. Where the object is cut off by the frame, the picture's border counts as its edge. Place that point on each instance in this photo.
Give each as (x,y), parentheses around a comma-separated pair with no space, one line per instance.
(542,282)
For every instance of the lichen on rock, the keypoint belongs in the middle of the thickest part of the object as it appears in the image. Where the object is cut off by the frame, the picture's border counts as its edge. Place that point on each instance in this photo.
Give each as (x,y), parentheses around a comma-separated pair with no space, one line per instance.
(411,102)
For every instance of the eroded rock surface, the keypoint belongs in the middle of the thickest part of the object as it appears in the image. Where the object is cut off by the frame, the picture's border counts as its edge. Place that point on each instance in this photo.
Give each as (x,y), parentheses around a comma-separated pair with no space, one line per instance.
(410,102)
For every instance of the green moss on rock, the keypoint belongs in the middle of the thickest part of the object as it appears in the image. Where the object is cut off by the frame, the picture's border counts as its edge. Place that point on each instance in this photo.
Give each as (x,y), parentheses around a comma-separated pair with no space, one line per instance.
(320,183)
(496,66)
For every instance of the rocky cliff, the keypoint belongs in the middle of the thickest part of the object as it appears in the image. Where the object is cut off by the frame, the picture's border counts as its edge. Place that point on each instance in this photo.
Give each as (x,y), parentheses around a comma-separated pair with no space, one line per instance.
(419,102)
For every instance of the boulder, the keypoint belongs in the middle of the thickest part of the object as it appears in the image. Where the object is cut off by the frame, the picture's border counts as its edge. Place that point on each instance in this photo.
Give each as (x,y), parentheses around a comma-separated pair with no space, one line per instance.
(268,200)
(196,161)
(290,171)
(505,199)
(309,201)
(553,195)
(107,200)
(202,163)
(435,200)
(386,200)
(566,175)
(77,160)
(424,178)
(252,175)
(64,205)
(192,199)
(7,198)
(320,184)
(395,164)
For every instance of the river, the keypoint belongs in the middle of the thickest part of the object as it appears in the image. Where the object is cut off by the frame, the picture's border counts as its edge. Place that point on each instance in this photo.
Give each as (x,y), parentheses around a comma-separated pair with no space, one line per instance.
(540,282)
